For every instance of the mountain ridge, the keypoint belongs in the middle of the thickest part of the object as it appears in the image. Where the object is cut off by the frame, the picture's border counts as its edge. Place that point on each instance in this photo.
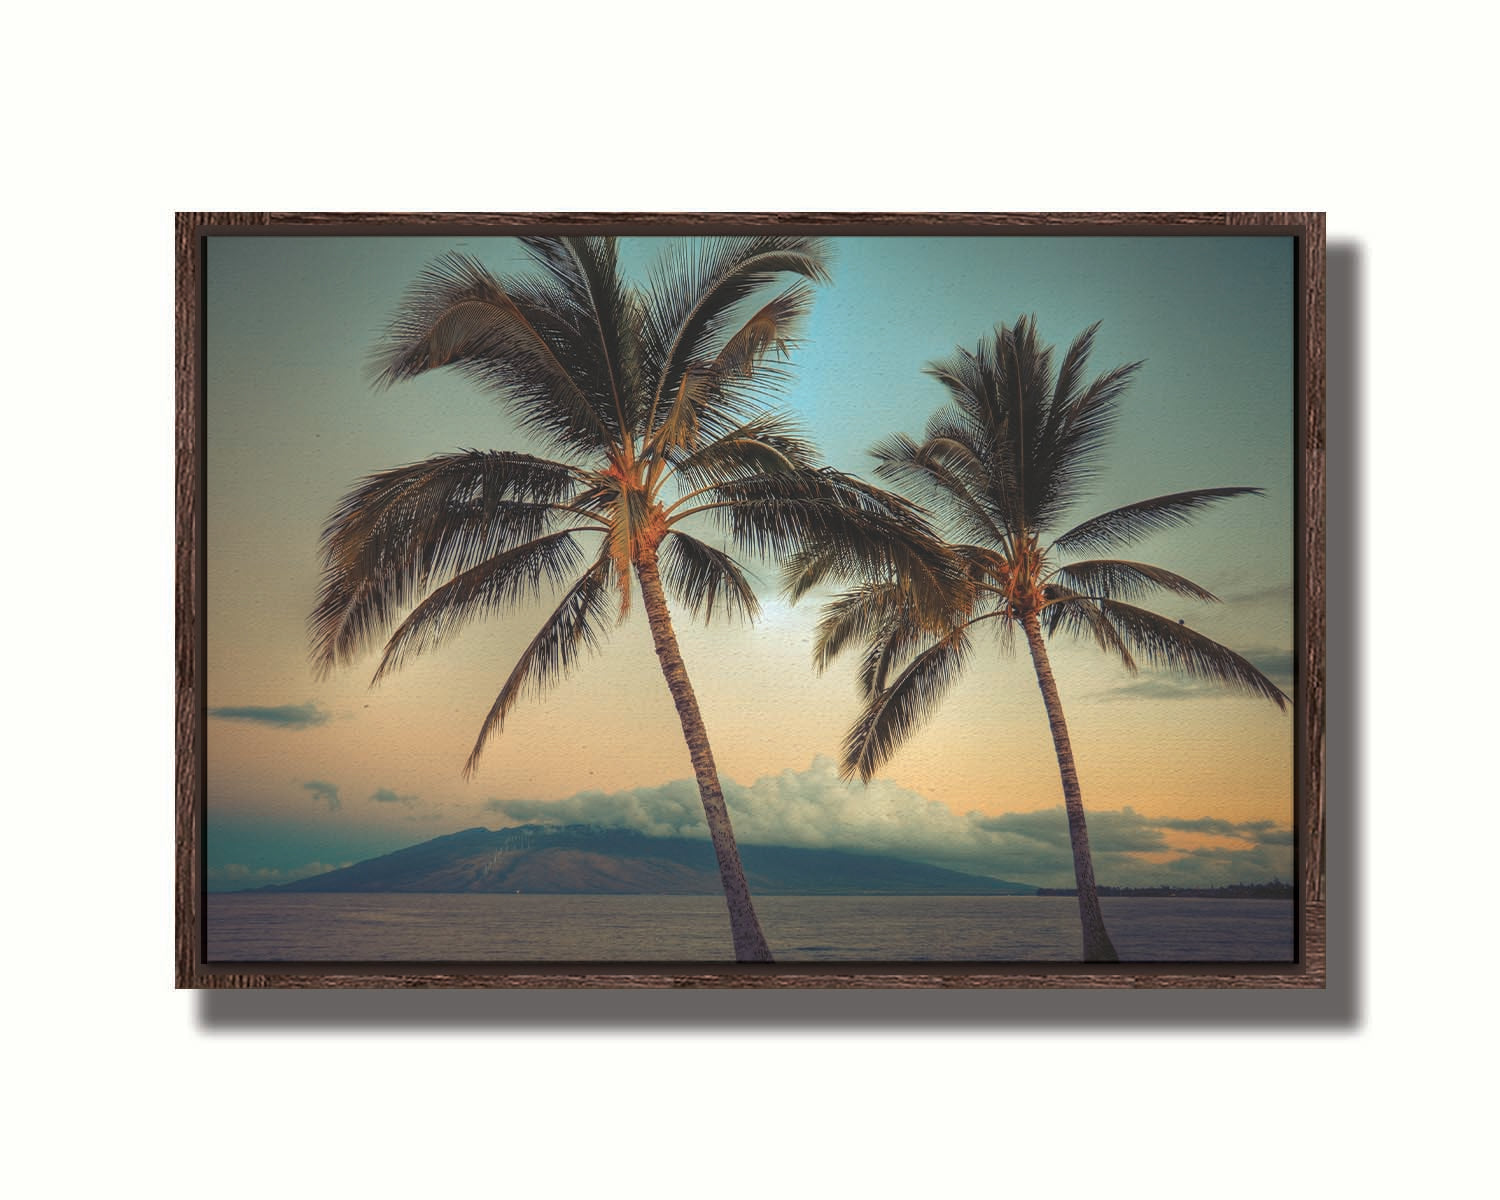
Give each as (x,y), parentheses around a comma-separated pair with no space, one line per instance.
(595,859)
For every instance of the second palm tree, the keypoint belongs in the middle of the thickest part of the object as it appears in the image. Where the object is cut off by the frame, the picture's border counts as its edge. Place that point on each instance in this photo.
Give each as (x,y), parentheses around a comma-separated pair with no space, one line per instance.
(998,466)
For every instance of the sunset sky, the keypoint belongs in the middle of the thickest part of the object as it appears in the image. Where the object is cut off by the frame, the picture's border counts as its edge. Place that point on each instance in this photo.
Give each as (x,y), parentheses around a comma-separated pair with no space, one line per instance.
(1183,782)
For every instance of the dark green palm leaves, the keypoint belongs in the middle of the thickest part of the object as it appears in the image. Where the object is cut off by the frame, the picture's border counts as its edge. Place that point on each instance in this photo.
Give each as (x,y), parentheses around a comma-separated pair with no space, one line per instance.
(657,405)
(1000,466)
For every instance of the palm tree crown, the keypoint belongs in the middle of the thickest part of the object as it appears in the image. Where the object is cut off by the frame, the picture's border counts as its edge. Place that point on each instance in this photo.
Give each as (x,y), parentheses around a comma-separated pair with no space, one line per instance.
(654,401)
(1000,465)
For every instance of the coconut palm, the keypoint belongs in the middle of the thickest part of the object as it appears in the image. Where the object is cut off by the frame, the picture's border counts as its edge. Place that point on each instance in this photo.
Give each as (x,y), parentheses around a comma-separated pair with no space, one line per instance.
(1001,464)
(654,402)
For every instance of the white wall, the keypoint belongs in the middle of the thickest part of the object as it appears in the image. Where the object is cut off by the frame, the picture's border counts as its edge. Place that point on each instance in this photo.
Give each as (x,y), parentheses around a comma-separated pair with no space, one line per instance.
(116,1080)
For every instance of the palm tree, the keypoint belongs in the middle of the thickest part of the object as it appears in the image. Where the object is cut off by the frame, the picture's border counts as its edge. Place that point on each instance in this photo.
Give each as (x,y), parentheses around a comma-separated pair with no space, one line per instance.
(999,466)
(653,401)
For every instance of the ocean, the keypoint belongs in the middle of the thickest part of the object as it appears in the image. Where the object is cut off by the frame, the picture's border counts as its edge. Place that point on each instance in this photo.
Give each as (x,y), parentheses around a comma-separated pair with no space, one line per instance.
(448,928)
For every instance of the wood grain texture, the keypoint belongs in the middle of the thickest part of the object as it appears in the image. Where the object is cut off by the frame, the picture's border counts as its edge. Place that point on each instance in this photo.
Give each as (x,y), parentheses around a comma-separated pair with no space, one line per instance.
(188,822)
(1312,393)
(852,222)
(842,976)
(1310,971)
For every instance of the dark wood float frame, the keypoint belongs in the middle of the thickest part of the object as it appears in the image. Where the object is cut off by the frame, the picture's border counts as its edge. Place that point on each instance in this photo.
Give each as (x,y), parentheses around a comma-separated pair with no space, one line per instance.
(1308,970)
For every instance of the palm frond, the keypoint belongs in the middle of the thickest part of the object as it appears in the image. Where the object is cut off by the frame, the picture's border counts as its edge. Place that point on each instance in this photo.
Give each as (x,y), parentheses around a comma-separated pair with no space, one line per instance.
(852,530)
(983,431)
(982,564)
(576,625)
(767,443)
(694,295)
(1121,526)
(969,376)
(1022,407)
(399,529)
(1174,647)
(892,714)
(707,581)
(494,584)
(1080,616)
(1117,579)
(805,569)
(520,343)
(600,491)
(1075,432)
(678,429)
(1034,437)
(858,615)
(716,397)
(894,642)
(604,312)
(1070,373)
(773,327)
(948,474)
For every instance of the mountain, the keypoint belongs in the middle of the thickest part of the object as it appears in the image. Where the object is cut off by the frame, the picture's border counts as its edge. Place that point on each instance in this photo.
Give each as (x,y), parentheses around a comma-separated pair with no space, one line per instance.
(592,859)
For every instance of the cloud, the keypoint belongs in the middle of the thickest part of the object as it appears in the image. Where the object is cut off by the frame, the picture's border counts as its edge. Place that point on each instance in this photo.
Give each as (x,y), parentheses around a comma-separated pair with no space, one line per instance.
(1109,832)
(1280,665)
(1250,831)
(285,716)
(815,808)
(413,808)
(1207,867)
(1164,688)
(324,791)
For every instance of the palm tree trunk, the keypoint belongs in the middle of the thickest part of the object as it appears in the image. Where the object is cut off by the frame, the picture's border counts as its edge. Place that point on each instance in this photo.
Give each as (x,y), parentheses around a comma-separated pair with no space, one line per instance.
(749,942)
(1096,944)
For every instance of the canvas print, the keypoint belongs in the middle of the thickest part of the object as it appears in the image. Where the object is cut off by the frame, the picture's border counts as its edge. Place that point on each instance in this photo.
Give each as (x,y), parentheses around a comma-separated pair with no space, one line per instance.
(760,598)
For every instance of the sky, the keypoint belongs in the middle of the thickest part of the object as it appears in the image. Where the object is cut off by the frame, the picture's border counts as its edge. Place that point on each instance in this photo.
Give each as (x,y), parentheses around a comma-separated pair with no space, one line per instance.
(1183,783)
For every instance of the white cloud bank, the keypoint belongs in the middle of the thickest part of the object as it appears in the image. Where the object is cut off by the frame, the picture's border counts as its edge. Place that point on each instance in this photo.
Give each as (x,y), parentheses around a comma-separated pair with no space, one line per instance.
(815,808)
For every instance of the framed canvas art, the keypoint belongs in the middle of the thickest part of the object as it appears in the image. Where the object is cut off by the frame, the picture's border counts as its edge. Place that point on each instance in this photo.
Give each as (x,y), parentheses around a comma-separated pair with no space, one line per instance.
(750,600)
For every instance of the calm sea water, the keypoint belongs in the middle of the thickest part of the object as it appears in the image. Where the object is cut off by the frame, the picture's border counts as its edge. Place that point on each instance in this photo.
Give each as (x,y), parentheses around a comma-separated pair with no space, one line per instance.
(252,927)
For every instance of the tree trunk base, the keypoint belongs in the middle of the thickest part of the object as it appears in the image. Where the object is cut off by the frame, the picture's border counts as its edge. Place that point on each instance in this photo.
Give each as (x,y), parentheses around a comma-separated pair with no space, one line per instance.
(750,943)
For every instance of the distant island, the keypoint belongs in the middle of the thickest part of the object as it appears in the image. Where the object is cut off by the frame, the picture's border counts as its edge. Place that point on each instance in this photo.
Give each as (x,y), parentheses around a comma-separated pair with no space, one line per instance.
(1273,890)
(599,860)
(590,859)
